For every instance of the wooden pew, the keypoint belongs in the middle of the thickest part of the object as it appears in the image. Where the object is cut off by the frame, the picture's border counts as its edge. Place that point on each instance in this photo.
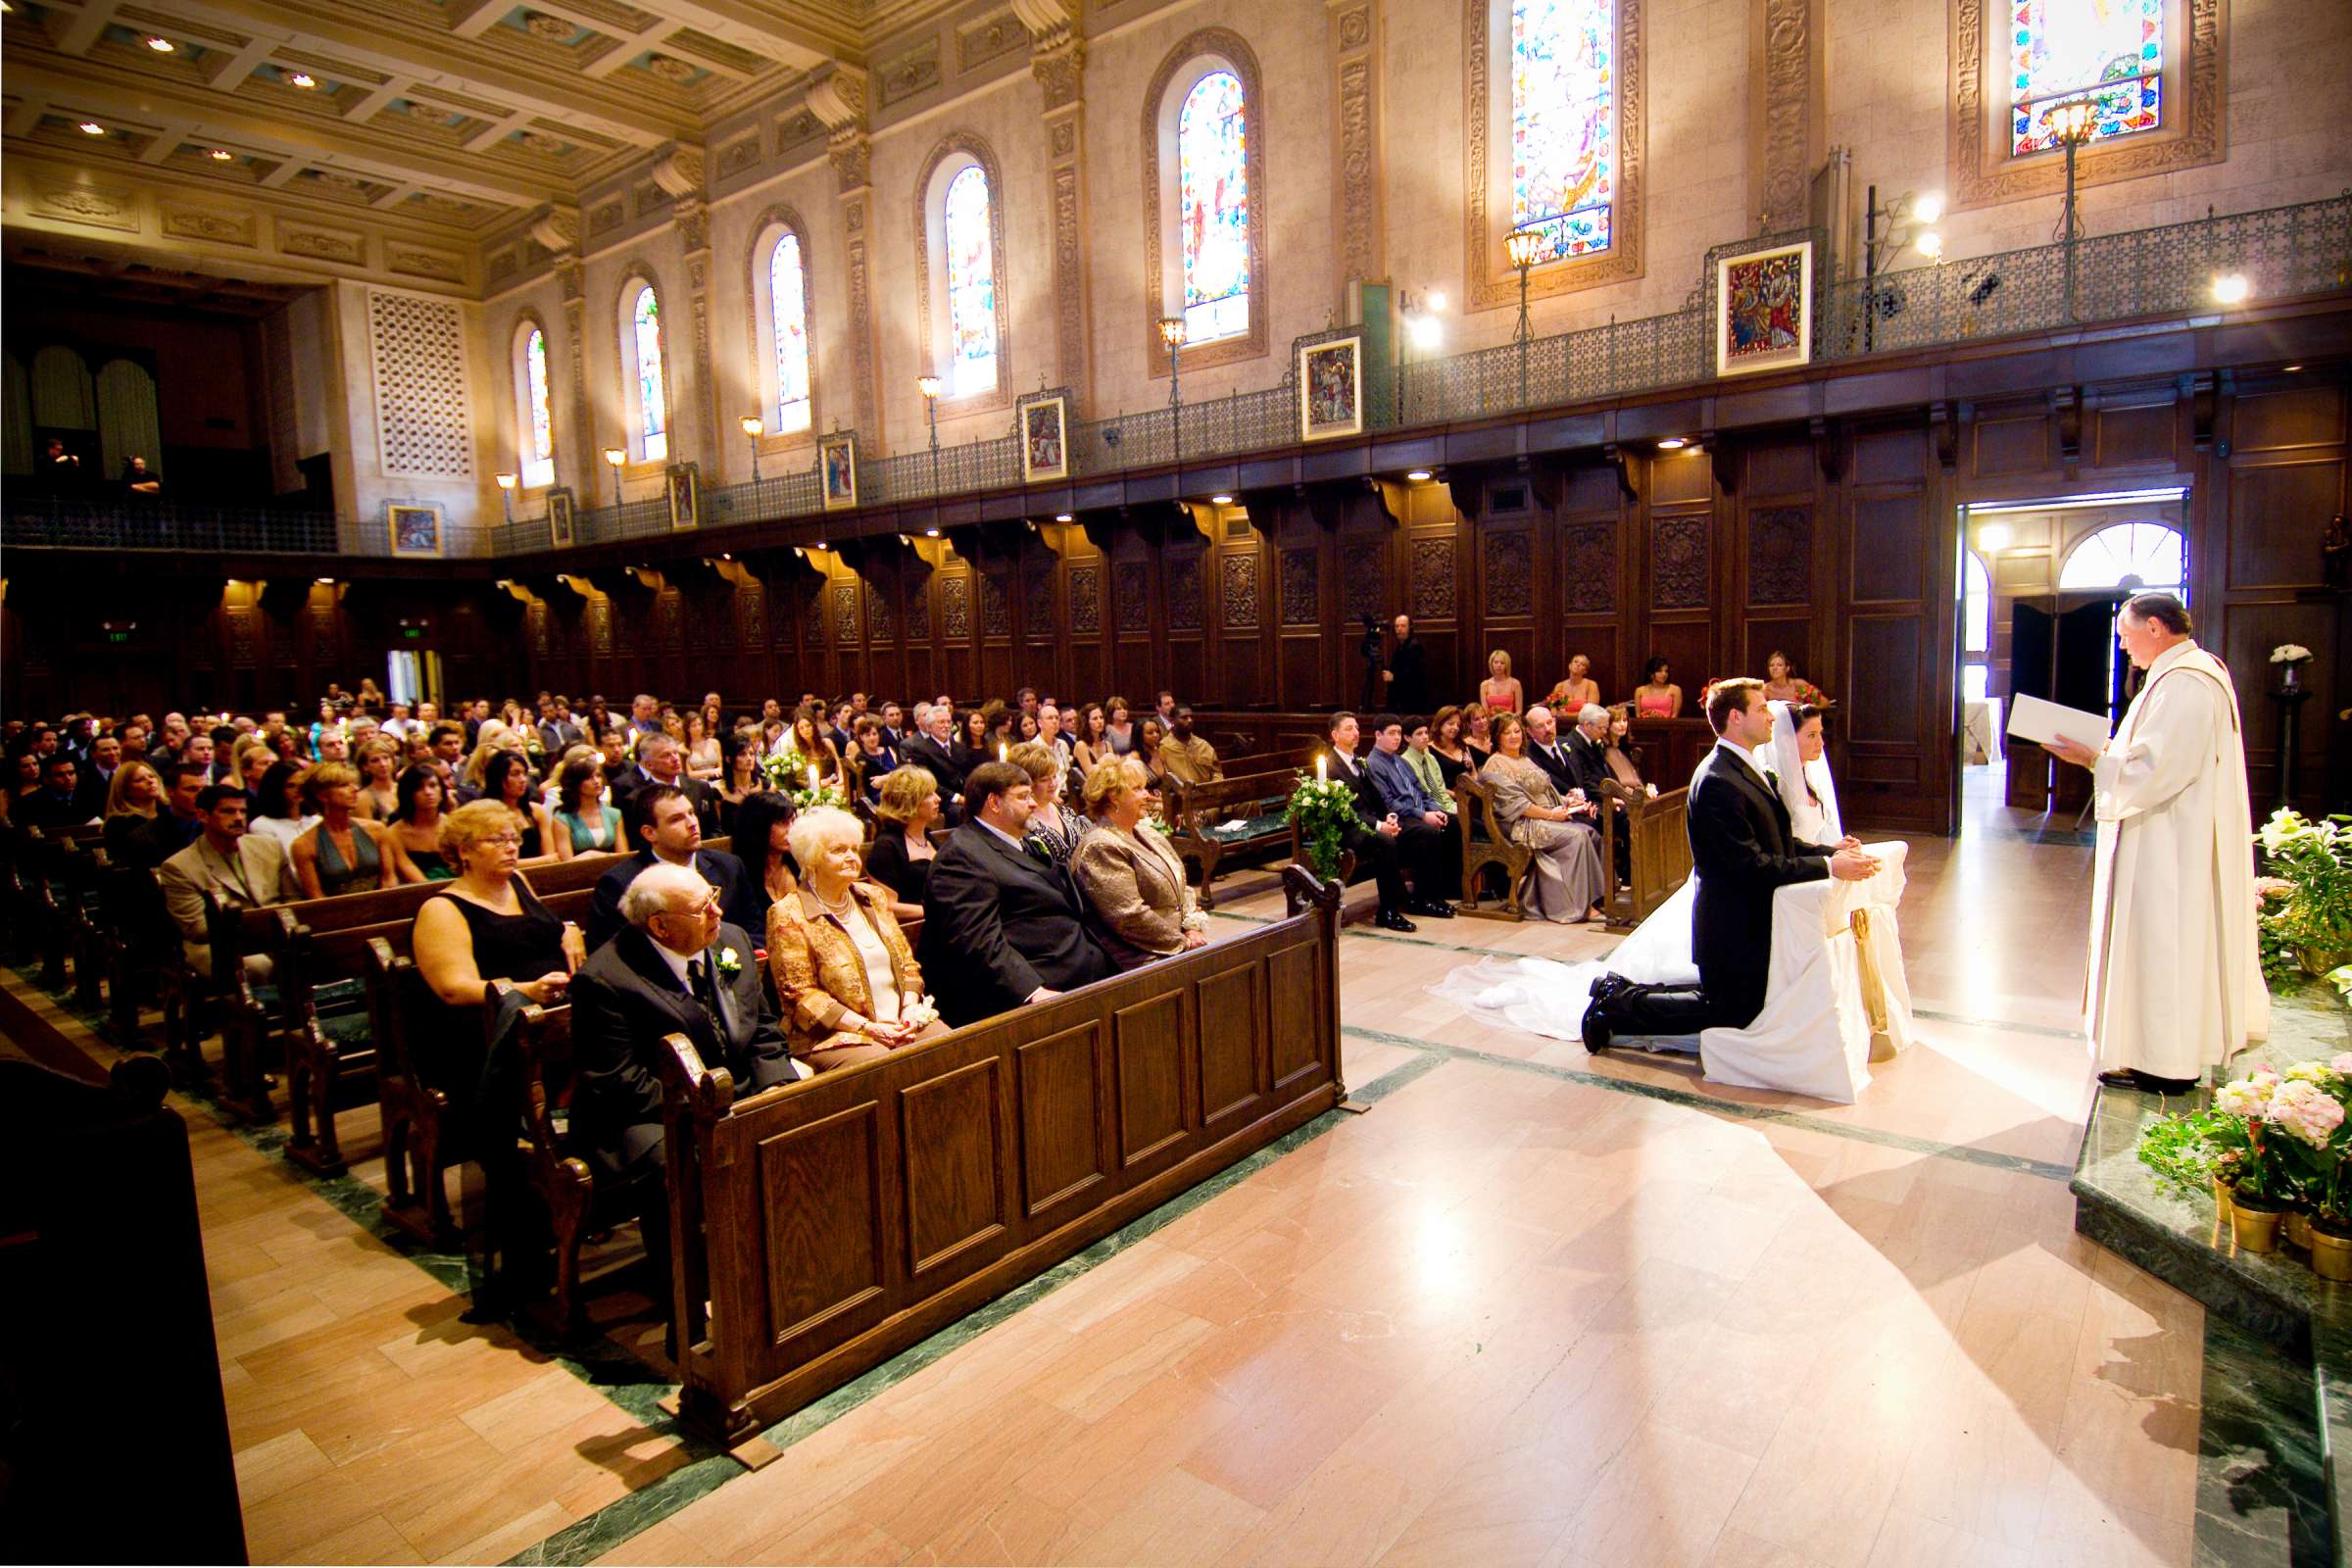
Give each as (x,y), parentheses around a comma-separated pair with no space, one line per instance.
(1658,831)
(1485,844)
(829,1224)
(1256,800)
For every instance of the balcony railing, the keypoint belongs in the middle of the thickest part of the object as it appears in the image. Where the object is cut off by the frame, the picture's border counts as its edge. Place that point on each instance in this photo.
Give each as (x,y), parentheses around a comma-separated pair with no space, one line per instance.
(2281,252)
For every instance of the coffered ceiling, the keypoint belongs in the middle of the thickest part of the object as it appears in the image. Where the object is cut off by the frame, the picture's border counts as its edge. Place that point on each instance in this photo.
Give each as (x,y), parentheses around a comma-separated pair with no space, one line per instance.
(458,114)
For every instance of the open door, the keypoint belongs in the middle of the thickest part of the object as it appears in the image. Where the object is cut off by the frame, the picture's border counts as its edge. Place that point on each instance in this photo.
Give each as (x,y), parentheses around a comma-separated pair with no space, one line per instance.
(2033,665)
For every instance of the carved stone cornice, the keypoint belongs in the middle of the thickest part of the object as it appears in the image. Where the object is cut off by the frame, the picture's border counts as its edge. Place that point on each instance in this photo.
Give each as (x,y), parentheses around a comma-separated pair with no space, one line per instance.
(1050,21)
(1060,69)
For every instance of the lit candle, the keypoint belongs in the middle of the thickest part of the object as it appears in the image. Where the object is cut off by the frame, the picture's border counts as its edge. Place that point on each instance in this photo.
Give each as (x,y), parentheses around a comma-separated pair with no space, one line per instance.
(1322,768)
(812,777)
(1003,751)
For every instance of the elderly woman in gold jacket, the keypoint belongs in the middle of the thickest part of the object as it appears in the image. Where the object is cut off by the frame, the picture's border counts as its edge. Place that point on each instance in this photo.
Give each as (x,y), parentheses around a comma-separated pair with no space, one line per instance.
(846,979)
(1130,873)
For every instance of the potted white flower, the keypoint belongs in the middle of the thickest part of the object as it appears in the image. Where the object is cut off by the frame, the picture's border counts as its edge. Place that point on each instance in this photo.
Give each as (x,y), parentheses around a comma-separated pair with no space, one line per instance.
(2291,658)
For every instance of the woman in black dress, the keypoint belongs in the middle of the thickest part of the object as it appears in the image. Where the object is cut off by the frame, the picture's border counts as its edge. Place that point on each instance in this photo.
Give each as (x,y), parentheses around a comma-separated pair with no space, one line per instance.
(900,855)
(760,847)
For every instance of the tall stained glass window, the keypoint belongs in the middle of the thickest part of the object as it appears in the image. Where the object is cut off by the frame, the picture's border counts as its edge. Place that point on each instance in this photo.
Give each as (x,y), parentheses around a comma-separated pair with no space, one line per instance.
(971,284)
(652,404)
(539,449)
(1213,203)
(1563,124)
(2110,52)
(788,312)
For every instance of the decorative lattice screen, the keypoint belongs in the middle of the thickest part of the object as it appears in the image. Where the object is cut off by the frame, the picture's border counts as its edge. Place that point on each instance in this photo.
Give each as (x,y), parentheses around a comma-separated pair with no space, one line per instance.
(424,413)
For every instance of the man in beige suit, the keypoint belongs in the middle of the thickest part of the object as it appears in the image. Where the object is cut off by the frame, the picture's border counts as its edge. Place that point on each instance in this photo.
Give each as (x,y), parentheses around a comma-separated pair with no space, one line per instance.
(240,870)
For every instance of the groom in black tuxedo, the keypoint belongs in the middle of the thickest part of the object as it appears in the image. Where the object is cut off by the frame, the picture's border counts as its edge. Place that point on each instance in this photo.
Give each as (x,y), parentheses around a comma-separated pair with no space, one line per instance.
(1003,926)
(1742,851)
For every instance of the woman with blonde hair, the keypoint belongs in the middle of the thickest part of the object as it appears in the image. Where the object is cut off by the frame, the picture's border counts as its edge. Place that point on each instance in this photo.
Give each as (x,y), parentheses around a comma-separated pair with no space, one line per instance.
(133,797)
(1131,875)
(899,858)
(1501,692)
(378,764)
(344,852)
(847,981)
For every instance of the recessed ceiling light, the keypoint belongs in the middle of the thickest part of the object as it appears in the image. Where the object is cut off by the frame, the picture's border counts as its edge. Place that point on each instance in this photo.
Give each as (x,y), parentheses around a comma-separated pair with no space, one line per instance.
(1418,475)
(1061,517)
(1673,443)
(930,533)
(2292,368)
(1220,500)
(820,544)
(302,78)
(220,155)
(91,128)
(162,46)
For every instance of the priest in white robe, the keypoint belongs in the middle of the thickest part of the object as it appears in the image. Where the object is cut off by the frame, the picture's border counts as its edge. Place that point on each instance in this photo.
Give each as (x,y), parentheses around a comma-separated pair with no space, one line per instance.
(2174,985)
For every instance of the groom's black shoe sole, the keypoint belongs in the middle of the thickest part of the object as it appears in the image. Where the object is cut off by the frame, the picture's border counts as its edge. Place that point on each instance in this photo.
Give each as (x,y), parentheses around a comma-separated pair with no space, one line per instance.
(1596,1027)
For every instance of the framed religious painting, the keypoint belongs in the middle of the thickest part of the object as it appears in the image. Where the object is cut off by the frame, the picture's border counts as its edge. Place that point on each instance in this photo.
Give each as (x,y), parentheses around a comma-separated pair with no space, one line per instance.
(1045,427)
(1331,389)
(682,484)
(1764,308)
(416,530)
(837,471)
(563,518)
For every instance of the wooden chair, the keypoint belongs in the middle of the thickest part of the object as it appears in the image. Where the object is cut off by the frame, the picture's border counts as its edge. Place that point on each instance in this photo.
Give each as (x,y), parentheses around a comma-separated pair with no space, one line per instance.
(1485,844)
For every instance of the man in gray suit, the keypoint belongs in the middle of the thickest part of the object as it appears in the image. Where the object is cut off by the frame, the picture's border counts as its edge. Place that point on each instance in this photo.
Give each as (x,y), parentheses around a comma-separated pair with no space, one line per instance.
(240,870)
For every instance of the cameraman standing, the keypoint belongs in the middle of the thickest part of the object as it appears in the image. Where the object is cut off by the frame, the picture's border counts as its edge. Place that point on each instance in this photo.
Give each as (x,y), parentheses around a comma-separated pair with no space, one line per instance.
(1407,675)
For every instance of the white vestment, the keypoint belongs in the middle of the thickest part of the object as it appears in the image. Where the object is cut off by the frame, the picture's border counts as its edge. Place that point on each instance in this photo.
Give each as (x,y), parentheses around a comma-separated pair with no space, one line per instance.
(2174,983)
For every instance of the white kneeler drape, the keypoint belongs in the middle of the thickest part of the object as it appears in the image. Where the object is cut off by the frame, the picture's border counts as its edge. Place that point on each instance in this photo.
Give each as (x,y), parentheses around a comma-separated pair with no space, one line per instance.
(1836,998)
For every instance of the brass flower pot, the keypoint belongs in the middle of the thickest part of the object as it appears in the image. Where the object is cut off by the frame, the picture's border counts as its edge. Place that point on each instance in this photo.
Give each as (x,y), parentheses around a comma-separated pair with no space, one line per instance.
(2254,1223)
(2298,1229)
(2221,1199)
(2331,1255)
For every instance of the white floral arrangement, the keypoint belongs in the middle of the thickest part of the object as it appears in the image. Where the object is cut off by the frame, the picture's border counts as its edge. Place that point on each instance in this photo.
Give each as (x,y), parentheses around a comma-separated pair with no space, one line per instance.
(792,774)
(2290,654)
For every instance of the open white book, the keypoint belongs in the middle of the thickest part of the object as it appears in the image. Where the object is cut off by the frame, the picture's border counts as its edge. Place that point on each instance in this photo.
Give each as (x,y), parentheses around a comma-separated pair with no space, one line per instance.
(2031,718)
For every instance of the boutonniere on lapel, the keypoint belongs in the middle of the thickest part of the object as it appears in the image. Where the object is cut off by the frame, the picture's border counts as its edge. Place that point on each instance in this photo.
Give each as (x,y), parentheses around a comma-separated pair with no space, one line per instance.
(1038,852)
(728,964)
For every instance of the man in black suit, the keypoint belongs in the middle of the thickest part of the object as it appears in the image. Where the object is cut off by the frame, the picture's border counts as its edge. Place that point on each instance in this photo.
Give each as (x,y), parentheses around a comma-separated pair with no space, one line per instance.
(1003,926)
(661,761)
(1382,840)
(661,818)
(1544,750)
(1590,767)
(676,967)
(932,748)
(1742,851)
(1408,671)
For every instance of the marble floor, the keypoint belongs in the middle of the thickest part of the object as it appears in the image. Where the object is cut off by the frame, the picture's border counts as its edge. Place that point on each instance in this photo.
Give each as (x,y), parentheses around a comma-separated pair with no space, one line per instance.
(1531,1307)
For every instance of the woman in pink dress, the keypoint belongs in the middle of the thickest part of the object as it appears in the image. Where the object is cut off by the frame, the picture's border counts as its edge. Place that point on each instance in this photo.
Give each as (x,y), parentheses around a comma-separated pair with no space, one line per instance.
(1501,692)
(1657,697)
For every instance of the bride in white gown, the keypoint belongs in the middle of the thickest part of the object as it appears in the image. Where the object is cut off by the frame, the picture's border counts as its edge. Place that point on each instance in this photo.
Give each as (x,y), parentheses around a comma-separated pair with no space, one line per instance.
(1544,997)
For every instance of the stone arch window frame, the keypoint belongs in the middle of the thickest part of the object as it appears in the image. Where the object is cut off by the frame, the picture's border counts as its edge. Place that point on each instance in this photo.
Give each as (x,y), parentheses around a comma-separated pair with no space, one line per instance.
(528,321)
(635,279)
(951,156)
(770,228)
(1492,282)
(1198,55)
(1984,172)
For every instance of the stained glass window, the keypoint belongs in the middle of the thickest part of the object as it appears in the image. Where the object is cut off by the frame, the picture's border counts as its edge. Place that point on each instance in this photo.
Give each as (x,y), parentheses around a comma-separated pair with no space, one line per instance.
(788,311)
(1214,202)
(1563,124)
(2109,51)
(971,284)
(652,404)
(539,450)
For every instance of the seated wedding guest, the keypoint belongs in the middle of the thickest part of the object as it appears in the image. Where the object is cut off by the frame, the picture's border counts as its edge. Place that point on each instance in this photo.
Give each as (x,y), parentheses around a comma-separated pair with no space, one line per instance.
(662,821)
(132,799)
(1050,730)
(1003,929)
(1132,878)
(1501,692)
(344,852)
(935,750)
(1548,749)
(870,762)
(762,848)
(900,858)
(1418,757)
(1533,812)
(976,741)
(661,761)
(379,763)
(59,803)
(1445,746)
(674,967)
(1478,736)
(1782,684)
(417,817)
(1051,824)
(241,871)
(702,748)
(1184,756)
(507,779)
(1417,812)
(1377,837)
(846,979)
(1147,738)
(1119,728)
(817,748)
(1657,697)
(1026,726)
(739,776)
(1088,745)
(1576,689)
(176,822)
(1616,752)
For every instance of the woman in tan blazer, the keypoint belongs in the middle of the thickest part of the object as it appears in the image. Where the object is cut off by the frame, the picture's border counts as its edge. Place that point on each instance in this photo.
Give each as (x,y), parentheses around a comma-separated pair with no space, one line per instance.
(846,979)
(1130,874)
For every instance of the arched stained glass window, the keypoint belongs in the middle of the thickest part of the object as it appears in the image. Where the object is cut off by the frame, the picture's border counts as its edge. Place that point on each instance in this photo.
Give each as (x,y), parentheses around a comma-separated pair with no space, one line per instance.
(1214,205)
(2110,52)
(1563,124)
(971,284)
(788,314)
(2128,555)
(539,432)
(653,402)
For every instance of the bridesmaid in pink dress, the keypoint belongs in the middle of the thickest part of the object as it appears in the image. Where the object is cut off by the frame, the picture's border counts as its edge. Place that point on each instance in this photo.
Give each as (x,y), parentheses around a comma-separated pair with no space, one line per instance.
(1501,692)
(1657,697)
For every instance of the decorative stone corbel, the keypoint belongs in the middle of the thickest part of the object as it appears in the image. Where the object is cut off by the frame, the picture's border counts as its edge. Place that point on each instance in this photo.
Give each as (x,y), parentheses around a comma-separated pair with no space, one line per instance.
(557,230)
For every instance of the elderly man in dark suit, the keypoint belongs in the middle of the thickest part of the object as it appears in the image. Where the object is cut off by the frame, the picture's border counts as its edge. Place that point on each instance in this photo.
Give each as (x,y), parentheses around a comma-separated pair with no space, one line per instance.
(1742,851)
(663,819)
(675,969)
(1003,926)
(932,748)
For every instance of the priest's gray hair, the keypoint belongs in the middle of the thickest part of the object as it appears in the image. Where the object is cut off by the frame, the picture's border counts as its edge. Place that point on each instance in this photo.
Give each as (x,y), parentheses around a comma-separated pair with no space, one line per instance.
(662,889)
